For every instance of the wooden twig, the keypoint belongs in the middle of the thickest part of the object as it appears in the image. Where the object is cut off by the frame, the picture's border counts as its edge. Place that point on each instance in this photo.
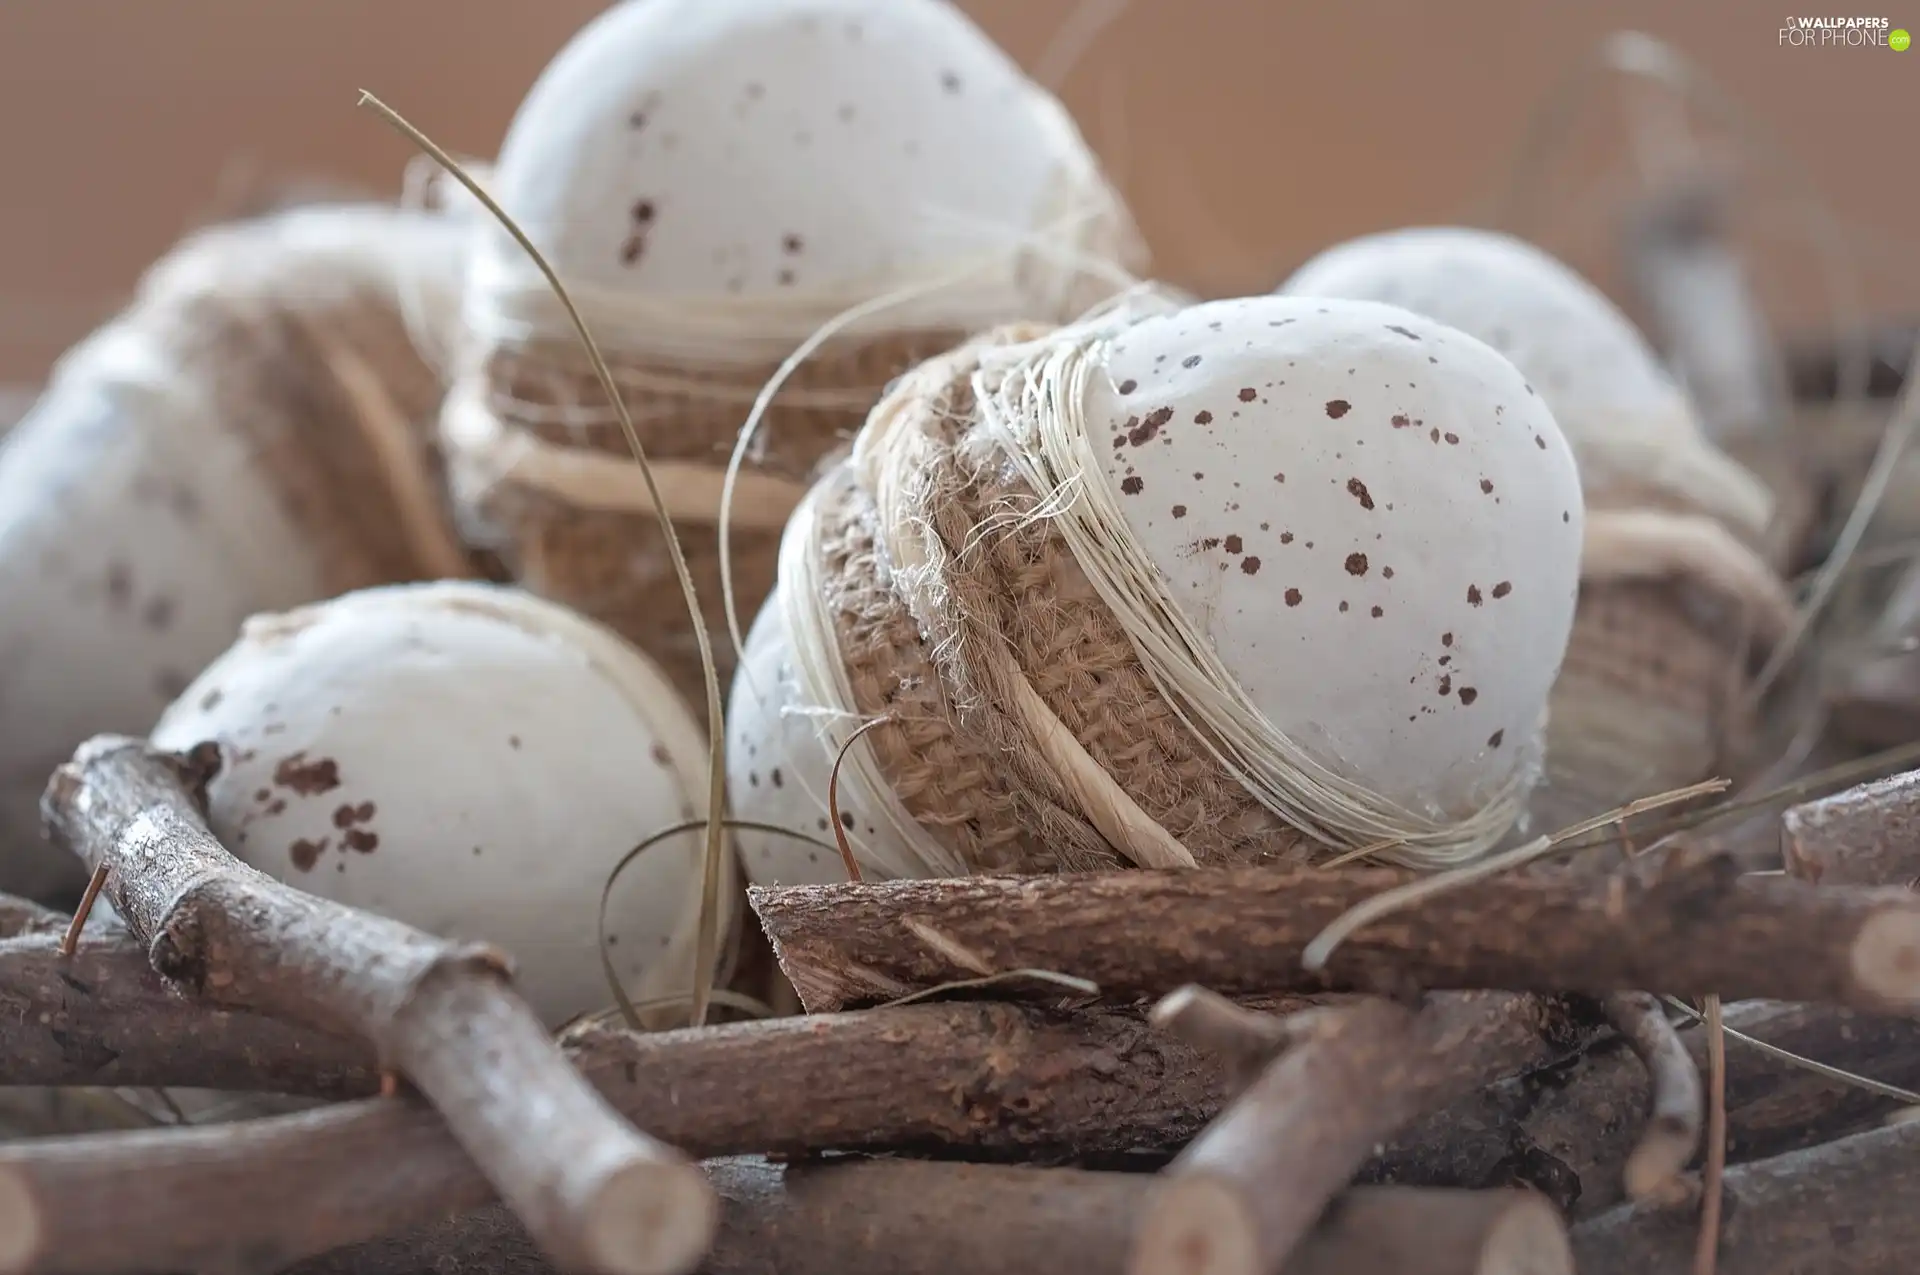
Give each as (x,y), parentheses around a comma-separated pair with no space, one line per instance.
(1696,928)
(1869,835)
(908,1217)
(1242,1039)
(1850,1207)
(598,1194)
(1678,1107)
(103,1017)
(995,1078)
(1567,1131)
(1247,1191)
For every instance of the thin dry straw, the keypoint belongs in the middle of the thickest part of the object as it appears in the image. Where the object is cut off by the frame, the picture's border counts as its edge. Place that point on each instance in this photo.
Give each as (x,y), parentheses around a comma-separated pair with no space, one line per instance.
(707,944)
(1387,902)
(1058,244)
(1893,445)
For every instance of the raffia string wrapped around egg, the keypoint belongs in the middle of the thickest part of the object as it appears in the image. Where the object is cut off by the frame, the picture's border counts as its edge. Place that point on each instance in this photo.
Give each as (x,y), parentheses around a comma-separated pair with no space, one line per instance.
(1678,605)
(254,431)
(718,182)
(1168,588)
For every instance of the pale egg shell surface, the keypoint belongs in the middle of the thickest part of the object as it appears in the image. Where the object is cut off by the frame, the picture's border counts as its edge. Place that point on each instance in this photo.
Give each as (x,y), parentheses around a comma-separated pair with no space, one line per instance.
(719,147)
(456,757)
(778,767)
(1570,341)
(1372,515)
(136,534)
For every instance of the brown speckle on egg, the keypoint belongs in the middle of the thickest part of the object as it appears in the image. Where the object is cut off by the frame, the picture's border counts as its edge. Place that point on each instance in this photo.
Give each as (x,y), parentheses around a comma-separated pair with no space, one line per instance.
(1468,695)
(1132,486)
(1473,595)
(1502,589)
(307,778)
(1358,490)
(1203,417)
(305,853)
(1293,597)
(1446,683)
(1377,612)
(1356,564)
(1453,439)
(1486,486)
(1394,327)
(1128,386)
(1179,511)
(361,841)
(1250,565)
(1233,544)
(1336,408)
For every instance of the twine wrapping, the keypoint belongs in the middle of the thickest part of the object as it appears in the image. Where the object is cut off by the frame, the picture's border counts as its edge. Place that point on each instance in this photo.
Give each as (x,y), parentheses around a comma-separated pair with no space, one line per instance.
(1048,706)
(541,471)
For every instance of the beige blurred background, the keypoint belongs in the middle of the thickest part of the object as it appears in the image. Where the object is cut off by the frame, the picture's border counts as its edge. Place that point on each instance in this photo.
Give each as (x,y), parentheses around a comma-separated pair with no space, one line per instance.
(1247,134)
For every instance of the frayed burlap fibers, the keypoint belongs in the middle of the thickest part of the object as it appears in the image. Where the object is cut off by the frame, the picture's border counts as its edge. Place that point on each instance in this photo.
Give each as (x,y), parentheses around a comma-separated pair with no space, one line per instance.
(975,659)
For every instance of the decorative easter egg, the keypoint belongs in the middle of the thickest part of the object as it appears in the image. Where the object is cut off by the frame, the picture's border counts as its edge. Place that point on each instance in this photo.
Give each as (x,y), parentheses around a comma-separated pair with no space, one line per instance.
(470,760)
(740,147)
(1222,583)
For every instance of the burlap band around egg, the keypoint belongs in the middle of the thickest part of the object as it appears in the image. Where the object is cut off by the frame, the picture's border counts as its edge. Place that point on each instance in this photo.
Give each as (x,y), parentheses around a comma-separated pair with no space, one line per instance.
(1675,614)
(330,395)
(922,583)
(543,474)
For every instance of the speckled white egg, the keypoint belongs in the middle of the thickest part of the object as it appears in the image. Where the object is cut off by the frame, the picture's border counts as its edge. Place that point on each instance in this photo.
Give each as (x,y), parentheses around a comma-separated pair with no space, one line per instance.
(1373,516)
(778,766)
(715,147)
(1629,422)
(471,760)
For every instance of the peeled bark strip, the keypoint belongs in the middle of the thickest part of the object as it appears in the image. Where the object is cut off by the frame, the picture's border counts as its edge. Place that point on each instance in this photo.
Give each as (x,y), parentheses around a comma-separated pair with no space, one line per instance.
(597,1194)
(1696,928)
(1869,835)
(1569,1129)
(1247,1191)
(907,1217)
(1850,1207)
(989,1077)
(1678,1108)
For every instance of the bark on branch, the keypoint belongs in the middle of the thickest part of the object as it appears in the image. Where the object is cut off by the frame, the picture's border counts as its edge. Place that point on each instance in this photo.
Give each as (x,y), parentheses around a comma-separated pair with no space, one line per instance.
(597,1193)
(1850,1207)
(1868,835)
(907,1217)
(994,1078)
(1569,1129)
(1248,1190)
(1695,928)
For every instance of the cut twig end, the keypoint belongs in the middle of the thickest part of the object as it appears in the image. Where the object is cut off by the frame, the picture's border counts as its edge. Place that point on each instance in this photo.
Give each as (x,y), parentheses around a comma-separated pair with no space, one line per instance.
(1195,1226)
(1886,957)
(651,1218)
(19,1223)
(1529,1239)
